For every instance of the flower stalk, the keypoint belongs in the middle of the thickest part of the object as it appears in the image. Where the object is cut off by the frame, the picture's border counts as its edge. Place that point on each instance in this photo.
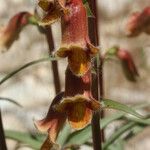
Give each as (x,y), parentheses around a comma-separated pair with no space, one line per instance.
(78,105)
(97,88)
(49,37)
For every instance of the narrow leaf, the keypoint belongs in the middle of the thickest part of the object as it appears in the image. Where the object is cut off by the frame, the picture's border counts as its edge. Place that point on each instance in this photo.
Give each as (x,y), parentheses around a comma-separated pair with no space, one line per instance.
(129,125)
(119,145)
(23,138)
(10,100)
(85,134)
(82,136)
(107,103)
(118,133)
(140,121)
(63,135)
(26,66)
(79,137)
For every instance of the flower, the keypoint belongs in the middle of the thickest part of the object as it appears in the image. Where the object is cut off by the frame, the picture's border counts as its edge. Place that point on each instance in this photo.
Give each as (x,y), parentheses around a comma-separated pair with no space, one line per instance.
(139,22)
(78,110)
(52,123)
(76,105)
(11,32)
(54,10)
(75,44)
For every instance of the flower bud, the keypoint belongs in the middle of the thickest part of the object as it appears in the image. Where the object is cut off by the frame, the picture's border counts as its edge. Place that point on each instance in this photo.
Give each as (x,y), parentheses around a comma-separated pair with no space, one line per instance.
(139,22)
(128,65)
(10,33)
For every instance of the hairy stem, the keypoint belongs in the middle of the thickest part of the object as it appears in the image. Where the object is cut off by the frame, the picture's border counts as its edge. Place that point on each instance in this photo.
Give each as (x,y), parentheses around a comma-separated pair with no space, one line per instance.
(97,87)
(50,42)
(2,135)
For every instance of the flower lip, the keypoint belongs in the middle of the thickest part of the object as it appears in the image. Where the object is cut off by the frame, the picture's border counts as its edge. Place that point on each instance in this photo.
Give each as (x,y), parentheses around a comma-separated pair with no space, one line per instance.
(54,10)
(78,58)
(78,110)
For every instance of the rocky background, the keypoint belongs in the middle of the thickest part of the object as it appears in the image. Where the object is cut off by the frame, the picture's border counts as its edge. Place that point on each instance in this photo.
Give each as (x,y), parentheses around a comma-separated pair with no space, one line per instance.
(33,88)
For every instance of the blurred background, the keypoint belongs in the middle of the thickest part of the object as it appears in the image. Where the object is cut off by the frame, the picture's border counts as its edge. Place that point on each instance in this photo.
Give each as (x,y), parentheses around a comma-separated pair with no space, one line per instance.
(33,88)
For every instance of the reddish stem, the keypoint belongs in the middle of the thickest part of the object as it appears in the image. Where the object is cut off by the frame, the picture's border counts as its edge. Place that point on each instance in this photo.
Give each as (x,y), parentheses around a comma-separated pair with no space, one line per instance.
(50,42)
(97,87)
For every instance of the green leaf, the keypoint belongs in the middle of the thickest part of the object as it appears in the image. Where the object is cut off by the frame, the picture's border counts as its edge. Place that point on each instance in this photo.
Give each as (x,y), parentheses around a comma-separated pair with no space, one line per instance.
(119,145)
(140,121)
(79,137)
(51,58)
(107,103)
(130,125)
(118,133)
(62,137)
(10,100)
(105,121)
(85,134)
(137,129)
(23,138)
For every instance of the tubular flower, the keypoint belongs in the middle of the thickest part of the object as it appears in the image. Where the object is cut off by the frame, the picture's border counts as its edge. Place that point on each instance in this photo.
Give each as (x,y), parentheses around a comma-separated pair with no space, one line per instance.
(78,110)
(139,22)
(52,124)
(78,104)
(75,43)
(11,32)
(54,10)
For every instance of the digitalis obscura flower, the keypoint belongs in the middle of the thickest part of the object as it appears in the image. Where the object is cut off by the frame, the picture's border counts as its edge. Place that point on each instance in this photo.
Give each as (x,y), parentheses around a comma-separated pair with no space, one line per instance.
(139,22)
(10,33)
(76,105)
(75,43)
(54,10)
(52,124)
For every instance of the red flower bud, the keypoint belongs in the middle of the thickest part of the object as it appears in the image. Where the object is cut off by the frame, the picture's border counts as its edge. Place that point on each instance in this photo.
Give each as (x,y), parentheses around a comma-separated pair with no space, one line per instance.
(126,60)
(11,32)
(139,22)
(128,65)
